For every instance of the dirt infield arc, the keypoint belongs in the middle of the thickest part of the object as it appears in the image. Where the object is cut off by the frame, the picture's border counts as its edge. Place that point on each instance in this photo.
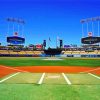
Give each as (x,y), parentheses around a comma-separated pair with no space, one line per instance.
(5,70)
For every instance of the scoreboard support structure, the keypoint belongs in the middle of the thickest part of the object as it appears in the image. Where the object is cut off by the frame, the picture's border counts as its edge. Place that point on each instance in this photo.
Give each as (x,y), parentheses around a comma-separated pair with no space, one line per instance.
(89,35)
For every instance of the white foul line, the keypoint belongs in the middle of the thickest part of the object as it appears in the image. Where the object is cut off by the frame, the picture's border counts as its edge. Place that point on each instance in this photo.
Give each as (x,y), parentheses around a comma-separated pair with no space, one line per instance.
(91,70)
(13,69)
(8,77)
(66,78)
(41,79)
(94,75)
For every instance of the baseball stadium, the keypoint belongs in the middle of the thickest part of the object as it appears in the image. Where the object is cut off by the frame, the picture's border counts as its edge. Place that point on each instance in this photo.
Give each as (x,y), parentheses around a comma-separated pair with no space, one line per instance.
(42,72)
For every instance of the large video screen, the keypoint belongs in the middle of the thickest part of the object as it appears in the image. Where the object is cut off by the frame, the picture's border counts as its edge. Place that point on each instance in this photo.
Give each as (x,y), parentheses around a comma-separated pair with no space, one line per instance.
(15,40)
(90,40)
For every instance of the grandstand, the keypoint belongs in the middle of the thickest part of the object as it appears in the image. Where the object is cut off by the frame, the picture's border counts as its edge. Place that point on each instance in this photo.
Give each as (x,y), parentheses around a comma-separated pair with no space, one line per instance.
(70,52)
(21,52)
(4,52)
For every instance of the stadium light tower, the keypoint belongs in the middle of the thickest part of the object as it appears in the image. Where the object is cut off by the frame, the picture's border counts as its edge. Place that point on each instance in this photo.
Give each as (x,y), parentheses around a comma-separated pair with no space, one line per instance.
(93,20)
(87,21)
(13,20)
(22,24)
(8,20)
(91,34)
(98,19)
(82,22)
(19,22)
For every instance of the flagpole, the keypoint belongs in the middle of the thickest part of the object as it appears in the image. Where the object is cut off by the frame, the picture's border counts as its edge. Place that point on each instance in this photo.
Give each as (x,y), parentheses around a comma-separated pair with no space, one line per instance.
(98,28)
(87,28)
(8,30)
(92,28)
(56,42)
(82,31)
(49,43)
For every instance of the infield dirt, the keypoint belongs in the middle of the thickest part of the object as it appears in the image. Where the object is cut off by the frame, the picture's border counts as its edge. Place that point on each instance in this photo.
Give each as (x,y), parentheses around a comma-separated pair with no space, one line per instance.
(5,70)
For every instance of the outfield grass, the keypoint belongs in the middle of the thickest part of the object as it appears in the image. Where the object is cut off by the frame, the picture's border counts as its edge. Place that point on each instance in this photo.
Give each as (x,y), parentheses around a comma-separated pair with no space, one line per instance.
(49,92)
(25,61)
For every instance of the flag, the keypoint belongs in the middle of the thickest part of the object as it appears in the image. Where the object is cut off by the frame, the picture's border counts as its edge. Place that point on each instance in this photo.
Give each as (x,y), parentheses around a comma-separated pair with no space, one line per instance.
(58,38)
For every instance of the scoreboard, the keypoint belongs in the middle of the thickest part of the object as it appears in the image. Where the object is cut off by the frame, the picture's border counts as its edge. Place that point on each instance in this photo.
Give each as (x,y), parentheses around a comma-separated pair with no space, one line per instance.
(15,40)
(90,40)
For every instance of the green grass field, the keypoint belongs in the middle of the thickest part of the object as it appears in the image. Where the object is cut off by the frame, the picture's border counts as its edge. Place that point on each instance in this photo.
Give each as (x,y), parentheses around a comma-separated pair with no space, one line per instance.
(49,92)
(24,86)
(24,61)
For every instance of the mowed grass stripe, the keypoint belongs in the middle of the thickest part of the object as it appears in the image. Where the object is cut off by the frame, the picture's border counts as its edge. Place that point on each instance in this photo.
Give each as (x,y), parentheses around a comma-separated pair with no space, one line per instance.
(49,92)
(24,78)
(83,79)
(40,62)
(54,78)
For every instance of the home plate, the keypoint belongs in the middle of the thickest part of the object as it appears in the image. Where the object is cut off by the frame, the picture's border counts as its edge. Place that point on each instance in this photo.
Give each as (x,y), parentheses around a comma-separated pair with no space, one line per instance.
(58,76)
(53,58)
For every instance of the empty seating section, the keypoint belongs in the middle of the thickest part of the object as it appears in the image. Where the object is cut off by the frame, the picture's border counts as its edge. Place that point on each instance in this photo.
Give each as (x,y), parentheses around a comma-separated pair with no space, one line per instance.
(37,52)
(94,52)
(98,51)
(68,52)
(81,52)
(33,52)
(29,52)
(12,52)
(75,52)
(22,52)
(4,52)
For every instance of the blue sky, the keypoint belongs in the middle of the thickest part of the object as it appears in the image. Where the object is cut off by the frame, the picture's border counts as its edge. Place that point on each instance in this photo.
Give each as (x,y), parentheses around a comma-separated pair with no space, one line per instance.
(48,18)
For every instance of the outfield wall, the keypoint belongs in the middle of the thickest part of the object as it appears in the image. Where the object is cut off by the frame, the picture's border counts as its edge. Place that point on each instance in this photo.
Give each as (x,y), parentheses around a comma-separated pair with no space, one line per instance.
(43,55)
(82,55)
(19,55)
